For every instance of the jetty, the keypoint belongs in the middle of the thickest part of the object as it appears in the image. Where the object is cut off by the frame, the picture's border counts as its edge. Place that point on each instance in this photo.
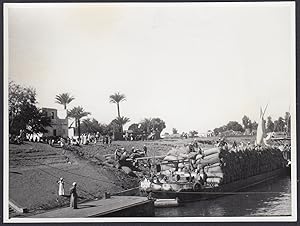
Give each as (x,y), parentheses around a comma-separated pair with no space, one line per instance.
(115,206)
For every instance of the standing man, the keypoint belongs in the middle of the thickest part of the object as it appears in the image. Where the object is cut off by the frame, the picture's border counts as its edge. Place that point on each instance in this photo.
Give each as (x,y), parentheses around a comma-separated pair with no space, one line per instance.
(74,196)
(61,190)
(145,150)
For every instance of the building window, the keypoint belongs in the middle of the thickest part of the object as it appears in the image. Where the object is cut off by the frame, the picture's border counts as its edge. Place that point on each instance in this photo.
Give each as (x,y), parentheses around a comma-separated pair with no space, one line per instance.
(52,115)
(54,132)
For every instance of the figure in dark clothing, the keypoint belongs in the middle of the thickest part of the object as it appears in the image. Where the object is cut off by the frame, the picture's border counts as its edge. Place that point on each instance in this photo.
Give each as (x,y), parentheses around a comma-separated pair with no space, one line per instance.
(74,196)
(145,150)
(234,145)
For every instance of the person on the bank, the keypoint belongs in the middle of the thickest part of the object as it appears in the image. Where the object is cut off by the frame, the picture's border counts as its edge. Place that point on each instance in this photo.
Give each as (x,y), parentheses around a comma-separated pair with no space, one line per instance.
(145,150)
(61,189)
(74,196)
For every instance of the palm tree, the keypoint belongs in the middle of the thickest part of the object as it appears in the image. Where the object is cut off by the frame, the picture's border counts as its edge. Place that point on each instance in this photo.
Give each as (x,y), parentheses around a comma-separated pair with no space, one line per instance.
(116,99)
(146,124)
(64,99)
(77,113)
(120,122)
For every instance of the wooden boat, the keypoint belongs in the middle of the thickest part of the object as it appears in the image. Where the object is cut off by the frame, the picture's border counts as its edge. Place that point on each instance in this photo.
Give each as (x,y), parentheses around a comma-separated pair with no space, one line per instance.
(188,194)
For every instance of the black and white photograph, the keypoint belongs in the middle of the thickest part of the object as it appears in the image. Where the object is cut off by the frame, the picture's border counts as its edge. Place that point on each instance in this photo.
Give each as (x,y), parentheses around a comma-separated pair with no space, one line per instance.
(149,112)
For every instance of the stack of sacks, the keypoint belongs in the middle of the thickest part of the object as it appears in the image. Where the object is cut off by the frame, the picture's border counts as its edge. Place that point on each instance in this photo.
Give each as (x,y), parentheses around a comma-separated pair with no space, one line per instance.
(222,165)
(179,159)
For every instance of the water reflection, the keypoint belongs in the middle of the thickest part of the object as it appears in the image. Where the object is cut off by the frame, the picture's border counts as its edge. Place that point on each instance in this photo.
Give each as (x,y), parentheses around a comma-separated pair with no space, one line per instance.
(275,203)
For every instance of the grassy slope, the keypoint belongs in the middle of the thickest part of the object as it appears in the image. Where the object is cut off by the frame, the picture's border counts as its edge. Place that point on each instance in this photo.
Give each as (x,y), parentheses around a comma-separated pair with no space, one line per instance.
(35,168)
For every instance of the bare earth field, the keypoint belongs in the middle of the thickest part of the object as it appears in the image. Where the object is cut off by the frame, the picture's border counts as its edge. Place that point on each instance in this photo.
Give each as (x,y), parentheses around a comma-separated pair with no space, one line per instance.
(34,169)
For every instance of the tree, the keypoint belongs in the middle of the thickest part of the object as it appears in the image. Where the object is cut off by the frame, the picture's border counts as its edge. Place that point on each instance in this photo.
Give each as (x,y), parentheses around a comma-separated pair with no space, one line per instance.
(77,113)
(116,99)
(64,99)
(269,125)
(175,131)
(220,130)
(279,125)
(247,123)
(23,113)
(149,125)
(287,120)
(146,125)
(157,125)
(91,126)
(193,133)
(254,125)
(136,128)
(235,126)
(119,122)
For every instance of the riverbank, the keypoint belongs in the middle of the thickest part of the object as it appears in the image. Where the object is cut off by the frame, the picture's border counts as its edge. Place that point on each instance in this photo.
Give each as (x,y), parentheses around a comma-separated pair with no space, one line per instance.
(35,168)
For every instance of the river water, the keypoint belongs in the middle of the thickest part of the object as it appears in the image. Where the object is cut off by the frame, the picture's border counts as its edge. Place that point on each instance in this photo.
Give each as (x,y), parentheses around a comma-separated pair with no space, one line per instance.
(275,203)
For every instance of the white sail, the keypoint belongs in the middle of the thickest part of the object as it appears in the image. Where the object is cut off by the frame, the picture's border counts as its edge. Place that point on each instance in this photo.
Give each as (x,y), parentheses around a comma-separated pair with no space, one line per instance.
(261,130)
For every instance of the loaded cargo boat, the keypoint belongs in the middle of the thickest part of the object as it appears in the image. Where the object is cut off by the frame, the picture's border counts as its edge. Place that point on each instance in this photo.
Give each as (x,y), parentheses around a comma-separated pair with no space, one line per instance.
(191,174)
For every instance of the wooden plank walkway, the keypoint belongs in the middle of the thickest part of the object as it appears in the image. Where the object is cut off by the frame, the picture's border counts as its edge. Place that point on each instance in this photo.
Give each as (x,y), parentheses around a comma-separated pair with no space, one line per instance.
(114,206)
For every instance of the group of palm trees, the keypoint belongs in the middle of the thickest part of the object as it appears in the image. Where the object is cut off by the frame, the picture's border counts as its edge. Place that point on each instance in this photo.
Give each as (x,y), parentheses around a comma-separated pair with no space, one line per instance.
(77,113)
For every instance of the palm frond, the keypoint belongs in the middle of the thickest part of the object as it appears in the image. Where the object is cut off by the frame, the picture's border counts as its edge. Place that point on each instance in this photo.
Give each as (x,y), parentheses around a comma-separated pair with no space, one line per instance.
(64,98)
(117,98)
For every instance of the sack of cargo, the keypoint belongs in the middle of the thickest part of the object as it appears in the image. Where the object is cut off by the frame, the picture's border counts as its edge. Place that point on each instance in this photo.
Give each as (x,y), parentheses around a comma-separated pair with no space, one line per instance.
(167,167)
(192,155)
(176,187)
(170,158)
(211,151)
(126,169)
(180,165)
(180,157)
(217,175)
(107,164)
(210,161)
(173,152)
(215,180)
(166,187)
(214,155)
(110,161)
(215,169)
(155,187)
(166,172)
(183,155)
(213,165)
(108,157)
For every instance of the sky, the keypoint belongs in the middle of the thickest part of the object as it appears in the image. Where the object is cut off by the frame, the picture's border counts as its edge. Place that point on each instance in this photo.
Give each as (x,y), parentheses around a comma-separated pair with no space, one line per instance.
(196,66)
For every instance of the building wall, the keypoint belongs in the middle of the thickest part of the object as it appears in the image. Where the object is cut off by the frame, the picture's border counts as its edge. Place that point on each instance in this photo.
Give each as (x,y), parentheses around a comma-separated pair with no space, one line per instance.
(59,127)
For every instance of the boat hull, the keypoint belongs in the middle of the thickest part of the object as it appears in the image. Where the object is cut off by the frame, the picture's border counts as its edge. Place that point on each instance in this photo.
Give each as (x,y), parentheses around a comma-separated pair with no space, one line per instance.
(211,193)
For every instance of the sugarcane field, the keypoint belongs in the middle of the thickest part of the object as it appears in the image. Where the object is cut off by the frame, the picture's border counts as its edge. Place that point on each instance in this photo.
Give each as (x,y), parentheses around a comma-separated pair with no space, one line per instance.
(149,112)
